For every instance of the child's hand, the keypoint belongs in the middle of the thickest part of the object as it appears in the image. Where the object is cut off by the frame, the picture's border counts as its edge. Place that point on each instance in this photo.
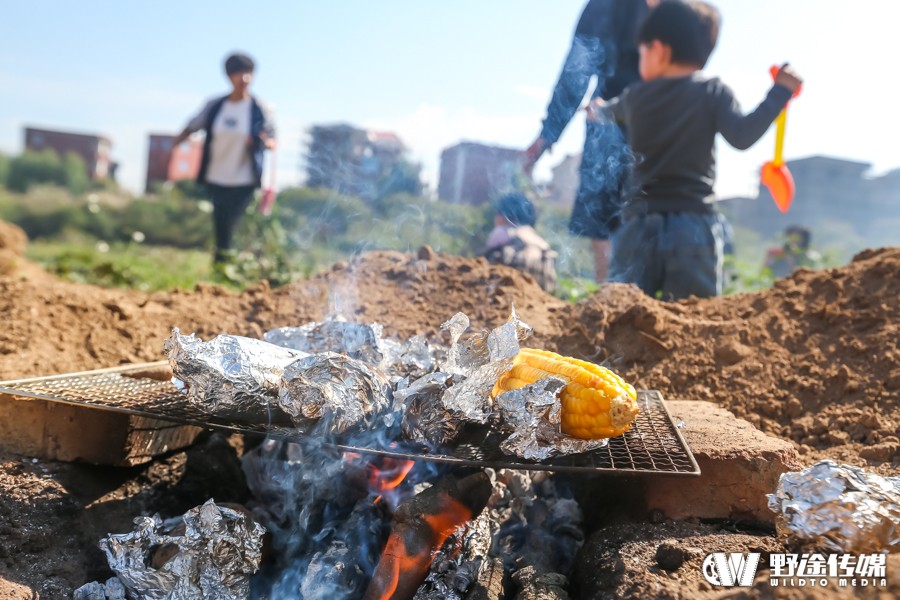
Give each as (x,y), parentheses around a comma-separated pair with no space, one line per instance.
(788,78)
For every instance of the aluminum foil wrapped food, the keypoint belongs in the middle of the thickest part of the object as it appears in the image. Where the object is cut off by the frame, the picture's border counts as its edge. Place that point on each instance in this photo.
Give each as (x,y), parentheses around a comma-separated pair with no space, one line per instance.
(353,339)
(414,357)
(213,559)
(533,415)
(425,419)
(343,392)
(230,376)
(838,508)
(479,361)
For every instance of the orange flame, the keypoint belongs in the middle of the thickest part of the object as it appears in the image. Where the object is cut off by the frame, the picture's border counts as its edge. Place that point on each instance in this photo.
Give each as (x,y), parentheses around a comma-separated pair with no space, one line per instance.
(382,473)
(408,553)
(391,475)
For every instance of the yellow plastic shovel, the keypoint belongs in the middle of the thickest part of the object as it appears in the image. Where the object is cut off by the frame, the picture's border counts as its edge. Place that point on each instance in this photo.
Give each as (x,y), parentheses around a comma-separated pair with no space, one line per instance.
(775,174)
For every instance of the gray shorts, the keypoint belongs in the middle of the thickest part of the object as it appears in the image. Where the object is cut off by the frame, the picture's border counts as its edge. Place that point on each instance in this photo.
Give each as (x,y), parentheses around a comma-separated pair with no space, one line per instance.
(670,255)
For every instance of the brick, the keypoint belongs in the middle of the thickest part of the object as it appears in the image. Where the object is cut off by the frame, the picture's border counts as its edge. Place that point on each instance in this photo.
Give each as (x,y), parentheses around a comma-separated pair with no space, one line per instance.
(68,432)
(739,463)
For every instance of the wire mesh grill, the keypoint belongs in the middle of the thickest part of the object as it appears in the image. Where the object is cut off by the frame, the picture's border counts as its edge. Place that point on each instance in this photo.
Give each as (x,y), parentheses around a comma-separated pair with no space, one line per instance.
(653,445)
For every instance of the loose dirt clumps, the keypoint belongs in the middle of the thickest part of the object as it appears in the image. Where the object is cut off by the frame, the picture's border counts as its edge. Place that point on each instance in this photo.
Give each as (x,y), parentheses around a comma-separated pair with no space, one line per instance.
(815,360)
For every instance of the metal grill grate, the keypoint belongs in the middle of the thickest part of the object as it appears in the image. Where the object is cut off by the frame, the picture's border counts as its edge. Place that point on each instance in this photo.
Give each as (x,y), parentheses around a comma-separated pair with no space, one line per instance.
(652,446)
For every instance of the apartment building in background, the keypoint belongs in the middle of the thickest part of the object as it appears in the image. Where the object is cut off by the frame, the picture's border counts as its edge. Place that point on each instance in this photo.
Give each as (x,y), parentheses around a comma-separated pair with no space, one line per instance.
(838,200)
(474,173)
(165,163)
(92,148)
(351,160)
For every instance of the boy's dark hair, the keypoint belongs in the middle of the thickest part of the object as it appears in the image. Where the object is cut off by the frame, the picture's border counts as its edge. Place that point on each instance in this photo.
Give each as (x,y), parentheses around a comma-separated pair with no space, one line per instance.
(517,209)
(689,28)
(239,63)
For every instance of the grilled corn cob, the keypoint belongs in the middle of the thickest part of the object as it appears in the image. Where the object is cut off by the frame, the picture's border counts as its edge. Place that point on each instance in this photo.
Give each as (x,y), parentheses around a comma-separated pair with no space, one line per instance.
(596,403)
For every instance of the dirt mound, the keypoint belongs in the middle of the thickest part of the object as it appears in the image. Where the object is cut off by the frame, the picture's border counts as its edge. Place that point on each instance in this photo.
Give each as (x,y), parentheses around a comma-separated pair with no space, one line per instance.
(12,238)
(53,326)
(12,246)
(814,360)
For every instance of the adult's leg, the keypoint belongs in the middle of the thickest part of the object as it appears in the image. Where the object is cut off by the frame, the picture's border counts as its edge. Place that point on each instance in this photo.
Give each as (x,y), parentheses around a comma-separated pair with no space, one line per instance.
(604,168)
(693,250)
(601,250)
(229,204)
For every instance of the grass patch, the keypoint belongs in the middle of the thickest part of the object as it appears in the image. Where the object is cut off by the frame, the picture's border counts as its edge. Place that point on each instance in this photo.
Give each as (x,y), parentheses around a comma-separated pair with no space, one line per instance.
(123,265)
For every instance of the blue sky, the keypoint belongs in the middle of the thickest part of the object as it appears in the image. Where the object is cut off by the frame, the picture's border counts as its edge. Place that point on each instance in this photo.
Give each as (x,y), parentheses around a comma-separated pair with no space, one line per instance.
(433,72)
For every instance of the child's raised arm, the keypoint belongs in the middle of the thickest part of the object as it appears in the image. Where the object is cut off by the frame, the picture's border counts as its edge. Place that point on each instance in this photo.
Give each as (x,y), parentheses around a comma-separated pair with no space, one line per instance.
(787,77)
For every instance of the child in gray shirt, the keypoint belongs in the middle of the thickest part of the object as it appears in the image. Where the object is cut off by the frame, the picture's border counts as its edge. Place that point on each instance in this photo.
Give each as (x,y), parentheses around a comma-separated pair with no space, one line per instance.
(670,243)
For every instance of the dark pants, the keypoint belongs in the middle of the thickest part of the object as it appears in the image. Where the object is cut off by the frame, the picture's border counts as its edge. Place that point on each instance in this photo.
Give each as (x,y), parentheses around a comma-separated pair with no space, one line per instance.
(675,255)
(229,204)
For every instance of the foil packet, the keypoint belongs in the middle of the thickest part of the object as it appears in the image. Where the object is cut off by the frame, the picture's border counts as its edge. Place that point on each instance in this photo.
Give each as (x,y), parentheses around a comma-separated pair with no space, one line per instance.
(353,339)
(340,391)
(413,357)
(479,361)
(533,415)
(425,419)
(230,376)
(213,559)
(837,508)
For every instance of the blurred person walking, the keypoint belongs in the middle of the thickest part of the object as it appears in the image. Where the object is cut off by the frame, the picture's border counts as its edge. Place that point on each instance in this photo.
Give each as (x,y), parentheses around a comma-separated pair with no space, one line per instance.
(239,128)
(604,46)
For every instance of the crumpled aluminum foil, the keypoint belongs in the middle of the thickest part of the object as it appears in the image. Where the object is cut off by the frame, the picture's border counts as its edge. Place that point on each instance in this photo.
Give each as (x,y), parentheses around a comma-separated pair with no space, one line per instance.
(413,357)
(229,376)
(340,390)
(356,340)
(533,413)
(481,360)
(838,508)
(425,419)
(218,552)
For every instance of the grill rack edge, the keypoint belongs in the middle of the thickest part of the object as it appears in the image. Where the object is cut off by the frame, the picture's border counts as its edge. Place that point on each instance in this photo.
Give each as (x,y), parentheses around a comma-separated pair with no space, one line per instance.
(653,446)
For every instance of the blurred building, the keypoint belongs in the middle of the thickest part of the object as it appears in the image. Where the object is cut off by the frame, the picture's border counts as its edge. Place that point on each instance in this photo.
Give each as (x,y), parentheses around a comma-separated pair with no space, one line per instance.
(351,160)
(836,199)
(473,173)
(564,184)
(94,150)
(165,163)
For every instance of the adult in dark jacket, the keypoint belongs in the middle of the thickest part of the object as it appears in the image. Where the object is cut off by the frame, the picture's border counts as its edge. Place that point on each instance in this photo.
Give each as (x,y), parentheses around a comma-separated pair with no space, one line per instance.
(604,46)
(239,128)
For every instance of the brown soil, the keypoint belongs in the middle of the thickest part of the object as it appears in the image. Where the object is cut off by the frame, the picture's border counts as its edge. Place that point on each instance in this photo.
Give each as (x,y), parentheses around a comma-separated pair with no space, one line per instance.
(814,360)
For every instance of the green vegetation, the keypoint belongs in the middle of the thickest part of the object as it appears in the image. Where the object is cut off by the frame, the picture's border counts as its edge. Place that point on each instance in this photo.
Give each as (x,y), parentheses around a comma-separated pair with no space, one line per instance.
(130,265)
(35,168)
(164,240)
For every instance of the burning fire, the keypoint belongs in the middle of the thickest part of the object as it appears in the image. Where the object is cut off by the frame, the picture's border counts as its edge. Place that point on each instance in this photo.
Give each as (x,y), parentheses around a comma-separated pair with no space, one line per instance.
(421,526)
(383,474)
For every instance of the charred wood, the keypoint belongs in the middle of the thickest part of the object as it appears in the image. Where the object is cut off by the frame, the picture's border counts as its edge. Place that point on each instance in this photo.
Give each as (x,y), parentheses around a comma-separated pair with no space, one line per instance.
(491,583)
(534,585)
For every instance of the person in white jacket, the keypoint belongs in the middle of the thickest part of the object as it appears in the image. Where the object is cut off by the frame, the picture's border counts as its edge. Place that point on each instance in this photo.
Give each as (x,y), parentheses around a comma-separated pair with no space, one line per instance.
(239,128)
